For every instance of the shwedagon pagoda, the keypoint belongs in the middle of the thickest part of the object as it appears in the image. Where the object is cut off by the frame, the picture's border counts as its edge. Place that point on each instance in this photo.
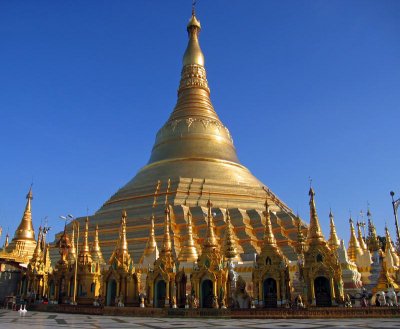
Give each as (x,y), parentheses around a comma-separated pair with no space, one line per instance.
(195,229)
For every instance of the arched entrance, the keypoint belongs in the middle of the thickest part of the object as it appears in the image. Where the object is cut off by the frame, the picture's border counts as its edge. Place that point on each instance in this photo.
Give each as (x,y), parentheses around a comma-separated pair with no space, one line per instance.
(111,292)
(206,297)
(270,293)
(322,292)
(160,293)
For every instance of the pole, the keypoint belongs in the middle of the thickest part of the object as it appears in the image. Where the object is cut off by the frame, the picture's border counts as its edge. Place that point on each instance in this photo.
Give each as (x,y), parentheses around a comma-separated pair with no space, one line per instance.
(395,216)
(76,259)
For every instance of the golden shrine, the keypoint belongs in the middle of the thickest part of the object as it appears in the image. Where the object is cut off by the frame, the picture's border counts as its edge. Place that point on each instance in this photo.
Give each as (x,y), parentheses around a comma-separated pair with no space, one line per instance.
(192,250)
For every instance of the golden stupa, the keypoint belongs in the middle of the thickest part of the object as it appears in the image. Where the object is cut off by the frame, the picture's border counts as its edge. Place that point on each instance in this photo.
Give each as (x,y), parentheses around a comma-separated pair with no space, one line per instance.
(194,154)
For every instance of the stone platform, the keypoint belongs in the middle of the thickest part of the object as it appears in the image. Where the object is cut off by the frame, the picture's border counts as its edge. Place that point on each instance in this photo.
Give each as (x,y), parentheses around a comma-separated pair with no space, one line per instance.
(278,313)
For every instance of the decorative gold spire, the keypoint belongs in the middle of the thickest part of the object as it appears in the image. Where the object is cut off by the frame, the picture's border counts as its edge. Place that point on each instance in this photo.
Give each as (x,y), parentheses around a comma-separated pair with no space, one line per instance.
(151,244)
(363,245)
(373,242)
(354,249)
(84,252)
(38,249)
(72,252)
(121,253)
(334,241)
(210,240)
(6,242)
(25,229)
(389,249)
(188,252)
(64,245)
(314,230)
(123,245)
(97,255)
(193,53)
(229,246)
(269,238)
(300,245)
(166,244)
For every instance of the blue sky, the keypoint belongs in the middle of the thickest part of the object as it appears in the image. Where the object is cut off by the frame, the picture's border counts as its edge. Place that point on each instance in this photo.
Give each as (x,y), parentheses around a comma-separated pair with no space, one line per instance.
(307,88)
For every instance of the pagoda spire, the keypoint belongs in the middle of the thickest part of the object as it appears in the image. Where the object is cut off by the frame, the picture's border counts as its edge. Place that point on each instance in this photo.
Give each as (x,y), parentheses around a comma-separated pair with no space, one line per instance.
(363,245)
(354,251)
(121,252)
(71,250)
(389,249)
(188,252)
(97,255)
(229,246)
(334,241)
(300,245)
(37,252)
(151,244)
(210,240)
(373,242)
(314,231)
(84,252)
(269,238)
(6,242)
(166,243)
(25,228)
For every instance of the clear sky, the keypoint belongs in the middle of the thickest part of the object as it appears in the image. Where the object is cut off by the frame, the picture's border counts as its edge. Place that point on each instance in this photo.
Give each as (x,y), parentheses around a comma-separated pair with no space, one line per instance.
(307,88)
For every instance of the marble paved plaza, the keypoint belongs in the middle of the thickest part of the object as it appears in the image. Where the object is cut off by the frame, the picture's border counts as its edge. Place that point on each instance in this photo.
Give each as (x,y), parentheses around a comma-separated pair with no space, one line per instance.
(36,320)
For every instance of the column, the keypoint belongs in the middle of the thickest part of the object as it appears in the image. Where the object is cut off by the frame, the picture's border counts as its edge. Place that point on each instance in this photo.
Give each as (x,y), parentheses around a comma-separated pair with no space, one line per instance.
(278,292)
(313,301)
(260,294)
(333,295)
(167,294)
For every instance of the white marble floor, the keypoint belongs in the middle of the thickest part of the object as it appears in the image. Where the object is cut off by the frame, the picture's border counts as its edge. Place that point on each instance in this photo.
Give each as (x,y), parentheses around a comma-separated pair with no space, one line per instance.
(37,320)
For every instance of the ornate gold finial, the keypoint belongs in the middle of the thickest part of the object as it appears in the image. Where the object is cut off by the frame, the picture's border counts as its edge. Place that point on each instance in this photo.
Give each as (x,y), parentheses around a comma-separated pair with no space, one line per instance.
(25,231)
(210,240)
(389,249)
(166,193)
(269,238)
(188,252)
(151,244)
(166,244)
(229,246)
(301,240)
(314,229)
(354,246)
(71,250)
(121,253)
(124,242)
(334,241)
(373,242)
(156,193)
(6,242)
(193,53)
(84,253)
(96,253)
(363,245)
(37,252)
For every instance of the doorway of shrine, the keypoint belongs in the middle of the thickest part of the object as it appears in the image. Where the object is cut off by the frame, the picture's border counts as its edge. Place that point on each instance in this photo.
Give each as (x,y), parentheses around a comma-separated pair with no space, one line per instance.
(160,293)
(206,298)
(322,292)
(270,293)
(111,292)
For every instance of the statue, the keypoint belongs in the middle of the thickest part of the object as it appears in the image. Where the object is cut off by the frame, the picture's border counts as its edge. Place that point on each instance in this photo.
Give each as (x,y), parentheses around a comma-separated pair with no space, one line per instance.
(240,297)
(347,302)
(174,302)
(391,297)
(215,302)
(299,302)
(142,301)
(187,301)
